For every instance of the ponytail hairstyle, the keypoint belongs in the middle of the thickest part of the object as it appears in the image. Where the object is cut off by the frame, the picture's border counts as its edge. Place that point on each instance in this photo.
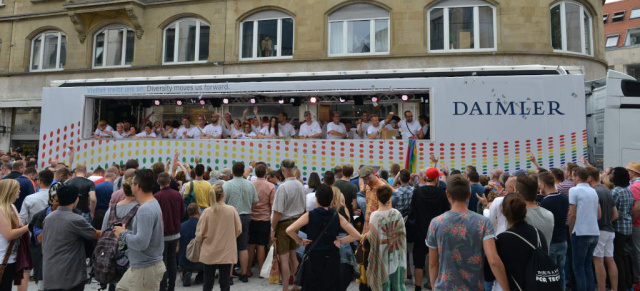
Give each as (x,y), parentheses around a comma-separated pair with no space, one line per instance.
(215,196)
(514,208)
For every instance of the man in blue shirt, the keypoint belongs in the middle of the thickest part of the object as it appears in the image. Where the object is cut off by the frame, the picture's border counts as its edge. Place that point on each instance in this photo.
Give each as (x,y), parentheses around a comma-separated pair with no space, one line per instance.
(476,189)
(103,196)
(187,233)
(26,187)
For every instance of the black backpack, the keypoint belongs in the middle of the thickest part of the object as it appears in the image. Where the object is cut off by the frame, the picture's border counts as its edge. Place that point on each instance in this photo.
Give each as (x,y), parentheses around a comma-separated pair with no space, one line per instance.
(541,272)
(109,259)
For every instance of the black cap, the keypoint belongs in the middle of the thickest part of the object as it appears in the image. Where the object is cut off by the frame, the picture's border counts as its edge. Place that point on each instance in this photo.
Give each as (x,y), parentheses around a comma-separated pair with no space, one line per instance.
(67,195)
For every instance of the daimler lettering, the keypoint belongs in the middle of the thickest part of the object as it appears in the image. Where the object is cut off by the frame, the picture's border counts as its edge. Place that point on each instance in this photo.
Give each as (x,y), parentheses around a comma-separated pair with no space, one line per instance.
(507,108)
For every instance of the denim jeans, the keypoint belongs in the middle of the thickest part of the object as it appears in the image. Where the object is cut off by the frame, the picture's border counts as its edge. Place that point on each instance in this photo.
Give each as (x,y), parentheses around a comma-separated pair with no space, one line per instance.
(557,253)
(583,247)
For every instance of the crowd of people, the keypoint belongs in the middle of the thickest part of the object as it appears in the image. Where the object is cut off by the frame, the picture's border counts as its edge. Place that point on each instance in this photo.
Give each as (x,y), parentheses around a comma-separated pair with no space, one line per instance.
(368,225)
(369,126)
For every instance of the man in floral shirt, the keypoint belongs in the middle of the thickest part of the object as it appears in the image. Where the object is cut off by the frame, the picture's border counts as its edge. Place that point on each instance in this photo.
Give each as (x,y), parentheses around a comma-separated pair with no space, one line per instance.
(457,241)
(371,184)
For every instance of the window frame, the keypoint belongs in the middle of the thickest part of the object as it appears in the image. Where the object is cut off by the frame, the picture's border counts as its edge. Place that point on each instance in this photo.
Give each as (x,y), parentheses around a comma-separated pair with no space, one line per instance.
(605,17)
(563,29)
(476,28)
(372,40)
(614,17)
(617,35)
(58,54)
(631,14)
(104,50)
(254,39)
(626,36)
(176,44)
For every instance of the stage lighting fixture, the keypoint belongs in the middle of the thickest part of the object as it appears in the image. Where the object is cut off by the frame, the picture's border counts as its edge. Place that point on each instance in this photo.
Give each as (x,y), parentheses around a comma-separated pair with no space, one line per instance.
(202,102)
(179,102)
(281,101)
(157,102)
(225,101)
(342,100)
(405,97)
(313,100)
(253,100)
(374,99)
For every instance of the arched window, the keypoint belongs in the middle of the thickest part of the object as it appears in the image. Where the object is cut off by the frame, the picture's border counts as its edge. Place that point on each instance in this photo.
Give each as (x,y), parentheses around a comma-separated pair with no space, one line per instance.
(571,28)
(266,34)
(467,25)
(113,47)
(359,29)
(186,41)
(48,51)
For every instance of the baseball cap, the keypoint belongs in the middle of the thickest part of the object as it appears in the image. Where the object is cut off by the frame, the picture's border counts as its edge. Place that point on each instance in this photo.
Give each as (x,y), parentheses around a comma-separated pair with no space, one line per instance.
(288,164)
(365,171)
(433,173)
(67,194)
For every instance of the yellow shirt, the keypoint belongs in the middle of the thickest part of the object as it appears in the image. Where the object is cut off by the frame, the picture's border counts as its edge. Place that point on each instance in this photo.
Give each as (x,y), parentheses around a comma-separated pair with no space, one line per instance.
(201,189)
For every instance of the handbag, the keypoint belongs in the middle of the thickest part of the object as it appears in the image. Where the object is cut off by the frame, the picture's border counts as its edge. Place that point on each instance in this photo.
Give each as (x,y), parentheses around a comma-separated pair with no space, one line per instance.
(305,258)
(362,253)
(23,259)
(193,250)
(6,258)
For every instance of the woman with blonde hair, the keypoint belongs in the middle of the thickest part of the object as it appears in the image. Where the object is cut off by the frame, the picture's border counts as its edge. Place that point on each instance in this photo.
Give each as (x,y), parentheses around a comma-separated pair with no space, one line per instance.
(11,229)
(218,228)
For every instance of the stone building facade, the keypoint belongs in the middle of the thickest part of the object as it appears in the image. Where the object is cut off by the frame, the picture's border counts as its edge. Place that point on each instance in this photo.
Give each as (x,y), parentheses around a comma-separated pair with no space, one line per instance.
(47,40)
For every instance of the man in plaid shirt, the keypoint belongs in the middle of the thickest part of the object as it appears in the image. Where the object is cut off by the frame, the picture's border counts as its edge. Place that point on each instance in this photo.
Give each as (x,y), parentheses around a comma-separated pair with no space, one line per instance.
(401,199)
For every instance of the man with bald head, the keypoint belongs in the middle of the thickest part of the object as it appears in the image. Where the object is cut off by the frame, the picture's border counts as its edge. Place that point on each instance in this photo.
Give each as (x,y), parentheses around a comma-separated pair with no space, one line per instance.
(495,175)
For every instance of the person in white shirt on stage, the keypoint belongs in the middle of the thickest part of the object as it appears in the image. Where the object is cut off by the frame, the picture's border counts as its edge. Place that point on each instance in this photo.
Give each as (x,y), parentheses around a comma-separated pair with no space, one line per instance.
(147,132)
(285,129)
(119,133)
(410,127)
(236,129)
(351,132)
(336,129)
(310,128)
(256,124)
(362,125)
(373,132)
(169,130)
(186,130)
(103,130)
(247,133)
(270,131)
(226,124)
(214,130)
(198,131)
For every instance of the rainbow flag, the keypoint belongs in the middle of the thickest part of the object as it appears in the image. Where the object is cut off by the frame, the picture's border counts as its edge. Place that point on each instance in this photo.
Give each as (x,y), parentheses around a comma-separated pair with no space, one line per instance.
(412,156)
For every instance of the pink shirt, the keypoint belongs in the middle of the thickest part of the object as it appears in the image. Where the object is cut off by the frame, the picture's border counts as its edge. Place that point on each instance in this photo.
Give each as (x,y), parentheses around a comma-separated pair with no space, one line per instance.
(635,190)
(261,211)
(117,197)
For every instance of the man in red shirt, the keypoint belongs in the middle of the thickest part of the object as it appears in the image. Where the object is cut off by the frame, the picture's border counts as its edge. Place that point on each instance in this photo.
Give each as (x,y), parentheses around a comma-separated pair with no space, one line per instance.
(172,205)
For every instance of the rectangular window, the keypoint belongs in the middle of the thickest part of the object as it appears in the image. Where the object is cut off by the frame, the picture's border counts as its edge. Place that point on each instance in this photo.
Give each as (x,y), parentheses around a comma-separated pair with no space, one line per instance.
(633,37)
(187,41)
(572,20)
(129,47)
(382,35)
(336,37)
(204,43)
(612,41)
(50,51)
(115,39)
(635,13)
(99,51)
(267,38)
(461,28)
(436,31)
(486,26)
(169,44)
(247,39)
(618,16)
(286,48)
(358,36)
(556,28)
(35,61)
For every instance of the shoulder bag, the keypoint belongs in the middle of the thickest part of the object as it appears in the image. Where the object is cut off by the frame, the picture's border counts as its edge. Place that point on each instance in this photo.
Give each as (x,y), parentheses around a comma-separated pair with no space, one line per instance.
(305,258)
